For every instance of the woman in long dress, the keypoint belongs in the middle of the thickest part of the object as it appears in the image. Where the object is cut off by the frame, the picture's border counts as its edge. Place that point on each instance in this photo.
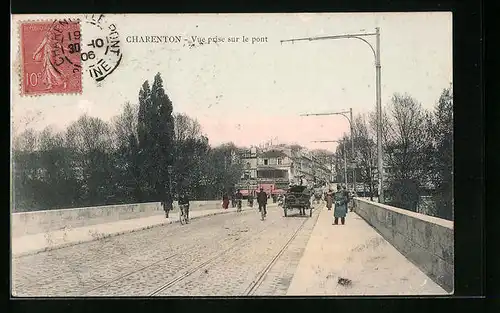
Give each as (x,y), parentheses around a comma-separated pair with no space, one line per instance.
(329,199)
(225,201)
(50,74)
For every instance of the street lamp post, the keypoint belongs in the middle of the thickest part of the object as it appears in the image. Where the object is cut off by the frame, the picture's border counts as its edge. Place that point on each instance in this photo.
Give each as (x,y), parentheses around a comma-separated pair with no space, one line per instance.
(376,53)
(170,170)
(350,120)
(171,200)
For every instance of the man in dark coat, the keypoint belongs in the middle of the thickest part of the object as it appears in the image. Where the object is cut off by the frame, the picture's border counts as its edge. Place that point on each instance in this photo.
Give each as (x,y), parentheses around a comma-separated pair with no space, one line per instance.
(184,200)
(262,200)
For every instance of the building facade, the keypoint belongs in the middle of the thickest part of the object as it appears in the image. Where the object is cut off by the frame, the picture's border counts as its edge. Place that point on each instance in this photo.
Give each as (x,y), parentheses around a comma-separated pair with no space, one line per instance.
(275,168)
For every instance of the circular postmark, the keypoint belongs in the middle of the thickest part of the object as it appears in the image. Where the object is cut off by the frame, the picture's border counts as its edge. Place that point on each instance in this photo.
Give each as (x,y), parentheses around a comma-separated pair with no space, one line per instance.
(102,52)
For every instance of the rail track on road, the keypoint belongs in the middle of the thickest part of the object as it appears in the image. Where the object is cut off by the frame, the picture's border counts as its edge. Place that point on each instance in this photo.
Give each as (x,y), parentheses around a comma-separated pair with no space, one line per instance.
(259,279)
(199,266)
(173,267)
(180,231)
(177,230)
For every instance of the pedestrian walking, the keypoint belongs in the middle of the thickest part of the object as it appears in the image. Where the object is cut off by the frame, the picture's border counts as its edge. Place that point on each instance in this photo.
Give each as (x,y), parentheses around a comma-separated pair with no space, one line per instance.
(225,201)
(167,204)
(262,200)
(183,202)
(329,199)
(340,210)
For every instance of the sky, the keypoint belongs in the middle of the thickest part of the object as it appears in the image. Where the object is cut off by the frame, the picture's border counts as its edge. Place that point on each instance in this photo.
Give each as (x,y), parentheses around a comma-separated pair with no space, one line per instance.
(249,93)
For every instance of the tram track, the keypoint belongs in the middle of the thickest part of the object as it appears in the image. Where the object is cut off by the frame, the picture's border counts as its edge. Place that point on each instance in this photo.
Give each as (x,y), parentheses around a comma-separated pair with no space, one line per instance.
(255,284)
(184,251)
(199,266)
(177,268)
(56,277)
(177,231)
(181,253)
(206,264)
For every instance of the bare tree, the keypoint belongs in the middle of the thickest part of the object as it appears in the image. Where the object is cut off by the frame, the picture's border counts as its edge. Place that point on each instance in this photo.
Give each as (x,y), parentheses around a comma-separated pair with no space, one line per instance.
(126,150)
(90,139)
(26,173)
(26,141)
(406,140)
(125,125)
(186,128)
(365,149)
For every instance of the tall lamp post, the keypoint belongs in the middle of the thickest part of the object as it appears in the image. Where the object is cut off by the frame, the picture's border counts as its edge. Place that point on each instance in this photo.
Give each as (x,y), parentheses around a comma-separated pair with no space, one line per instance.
(350,120)
(170,169)
(376,54)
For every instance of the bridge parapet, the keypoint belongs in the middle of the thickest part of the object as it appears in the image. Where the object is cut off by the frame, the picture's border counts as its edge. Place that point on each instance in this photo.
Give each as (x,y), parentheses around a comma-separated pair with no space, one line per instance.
(425,240)
(29,223)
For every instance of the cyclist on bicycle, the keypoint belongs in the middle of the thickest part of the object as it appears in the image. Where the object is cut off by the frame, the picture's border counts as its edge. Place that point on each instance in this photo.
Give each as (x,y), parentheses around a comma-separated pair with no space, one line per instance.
(238,197)
(184,201)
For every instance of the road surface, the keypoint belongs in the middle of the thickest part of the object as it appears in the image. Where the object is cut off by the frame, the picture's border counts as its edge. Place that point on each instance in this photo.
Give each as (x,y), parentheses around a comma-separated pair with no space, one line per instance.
(233,254)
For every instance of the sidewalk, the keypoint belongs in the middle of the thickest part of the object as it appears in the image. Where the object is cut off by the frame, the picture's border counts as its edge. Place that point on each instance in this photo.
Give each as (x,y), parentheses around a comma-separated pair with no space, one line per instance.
(356,252)
(32,244)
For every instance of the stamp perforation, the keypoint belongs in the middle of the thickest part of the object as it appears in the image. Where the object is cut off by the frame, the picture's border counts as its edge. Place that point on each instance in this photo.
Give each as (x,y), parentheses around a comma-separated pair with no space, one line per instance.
(20,66)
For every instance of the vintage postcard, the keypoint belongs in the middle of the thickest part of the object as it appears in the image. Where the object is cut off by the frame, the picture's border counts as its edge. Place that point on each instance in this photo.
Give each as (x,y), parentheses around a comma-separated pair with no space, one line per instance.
(232,154)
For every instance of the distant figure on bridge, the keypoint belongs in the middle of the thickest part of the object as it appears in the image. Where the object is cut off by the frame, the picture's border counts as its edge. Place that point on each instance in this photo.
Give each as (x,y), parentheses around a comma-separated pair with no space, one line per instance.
(184,200)
(262,200)
(238,198)
(341,200)
(329,199)
(238,195)
(225,201)
(250,200)
(167,205)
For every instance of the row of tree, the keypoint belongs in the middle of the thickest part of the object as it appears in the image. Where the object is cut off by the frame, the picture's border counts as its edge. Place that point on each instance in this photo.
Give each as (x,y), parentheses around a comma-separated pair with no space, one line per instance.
(418,153)
(145,154)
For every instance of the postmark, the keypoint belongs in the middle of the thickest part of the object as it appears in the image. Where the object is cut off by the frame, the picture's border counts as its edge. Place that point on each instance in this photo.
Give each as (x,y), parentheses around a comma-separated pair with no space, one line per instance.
(51,58)
(101,53)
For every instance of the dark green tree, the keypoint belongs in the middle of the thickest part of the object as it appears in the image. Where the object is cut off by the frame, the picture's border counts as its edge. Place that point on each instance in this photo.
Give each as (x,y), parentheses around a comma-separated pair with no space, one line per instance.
(155,131)
(163,134)
(442,131)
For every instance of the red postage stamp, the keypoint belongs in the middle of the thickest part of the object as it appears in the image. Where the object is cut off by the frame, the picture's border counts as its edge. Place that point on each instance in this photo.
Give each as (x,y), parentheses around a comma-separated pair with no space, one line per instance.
(51,57)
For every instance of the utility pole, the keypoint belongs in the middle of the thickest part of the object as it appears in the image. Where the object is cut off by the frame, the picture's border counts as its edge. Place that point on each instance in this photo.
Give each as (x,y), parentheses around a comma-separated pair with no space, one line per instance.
(379,120)
(353,161)
(376,54)
(351,125)
(345,164)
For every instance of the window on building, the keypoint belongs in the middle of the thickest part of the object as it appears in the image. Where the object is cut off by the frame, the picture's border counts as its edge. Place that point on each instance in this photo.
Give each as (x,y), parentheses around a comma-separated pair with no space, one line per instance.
(280,161)
(266,161)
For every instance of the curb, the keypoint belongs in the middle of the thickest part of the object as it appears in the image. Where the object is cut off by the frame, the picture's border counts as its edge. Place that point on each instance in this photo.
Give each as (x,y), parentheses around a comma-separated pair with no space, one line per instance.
(105,236)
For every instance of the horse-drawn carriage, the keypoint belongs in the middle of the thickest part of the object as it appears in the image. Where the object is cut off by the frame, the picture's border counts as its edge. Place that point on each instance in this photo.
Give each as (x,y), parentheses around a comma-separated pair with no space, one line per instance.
(297,197)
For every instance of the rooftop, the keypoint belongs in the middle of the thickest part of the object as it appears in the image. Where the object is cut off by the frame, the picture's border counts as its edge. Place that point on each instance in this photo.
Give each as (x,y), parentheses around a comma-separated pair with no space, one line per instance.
(273,154)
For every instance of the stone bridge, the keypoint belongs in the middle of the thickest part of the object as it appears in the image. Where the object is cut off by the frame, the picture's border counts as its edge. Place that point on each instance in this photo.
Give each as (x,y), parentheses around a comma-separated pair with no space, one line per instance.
(133,249)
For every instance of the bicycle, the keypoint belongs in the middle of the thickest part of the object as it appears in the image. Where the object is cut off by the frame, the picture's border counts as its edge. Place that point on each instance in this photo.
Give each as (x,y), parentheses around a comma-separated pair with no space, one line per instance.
(184,214)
